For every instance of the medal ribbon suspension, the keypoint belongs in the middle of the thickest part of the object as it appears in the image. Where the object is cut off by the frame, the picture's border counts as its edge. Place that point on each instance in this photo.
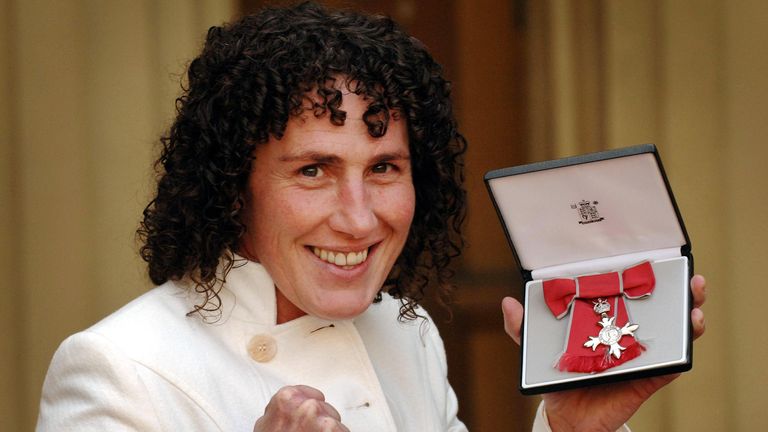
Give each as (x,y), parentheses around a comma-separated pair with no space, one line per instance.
(596,346)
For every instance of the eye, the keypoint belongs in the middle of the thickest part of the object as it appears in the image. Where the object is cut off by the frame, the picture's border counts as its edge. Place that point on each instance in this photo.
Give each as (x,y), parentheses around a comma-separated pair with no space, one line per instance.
(382,168)
(311,171)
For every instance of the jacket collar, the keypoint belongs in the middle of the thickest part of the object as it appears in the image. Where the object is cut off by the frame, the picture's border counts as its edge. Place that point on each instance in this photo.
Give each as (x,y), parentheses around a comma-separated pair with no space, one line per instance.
(248,294)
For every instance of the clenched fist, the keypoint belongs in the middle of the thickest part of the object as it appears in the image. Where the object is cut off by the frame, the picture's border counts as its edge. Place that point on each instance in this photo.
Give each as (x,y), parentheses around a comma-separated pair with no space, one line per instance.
(299,408)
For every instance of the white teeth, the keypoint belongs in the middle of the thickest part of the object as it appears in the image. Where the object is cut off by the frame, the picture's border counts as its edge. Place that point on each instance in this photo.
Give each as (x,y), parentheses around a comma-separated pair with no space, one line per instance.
(341,259)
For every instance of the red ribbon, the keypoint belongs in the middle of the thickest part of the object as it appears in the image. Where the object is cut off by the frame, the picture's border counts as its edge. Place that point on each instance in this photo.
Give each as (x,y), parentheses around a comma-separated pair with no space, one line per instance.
(560,294)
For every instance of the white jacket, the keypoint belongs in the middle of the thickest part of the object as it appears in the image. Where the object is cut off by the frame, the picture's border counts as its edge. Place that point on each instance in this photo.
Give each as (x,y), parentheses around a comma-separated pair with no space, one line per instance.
(150,367)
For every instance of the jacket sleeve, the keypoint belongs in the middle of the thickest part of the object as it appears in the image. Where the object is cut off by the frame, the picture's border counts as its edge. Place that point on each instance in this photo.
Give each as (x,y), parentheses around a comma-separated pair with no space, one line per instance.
(452,422)
(541,423)
(91,386)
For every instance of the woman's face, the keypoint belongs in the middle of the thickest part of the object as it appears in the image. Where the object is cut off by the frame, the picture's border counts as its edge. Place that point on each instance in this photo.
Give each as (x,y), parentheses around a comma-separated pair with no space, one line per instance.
(328,212)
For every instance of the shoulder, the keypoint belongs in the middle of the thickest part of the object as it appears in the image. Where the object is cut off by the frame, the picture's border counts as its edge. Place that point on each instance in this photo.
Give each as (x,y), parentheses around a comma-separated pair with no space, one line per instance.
(153,333)
(91,385)
(170,299)
(147,356)
(148,322)
(94,384)
(133,334)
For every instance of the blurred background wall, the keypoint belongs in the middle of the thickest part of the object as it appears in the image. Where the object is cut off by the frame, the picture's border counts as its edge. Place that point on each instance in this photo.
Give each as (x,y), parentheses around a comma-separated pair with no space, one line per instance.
(87,86)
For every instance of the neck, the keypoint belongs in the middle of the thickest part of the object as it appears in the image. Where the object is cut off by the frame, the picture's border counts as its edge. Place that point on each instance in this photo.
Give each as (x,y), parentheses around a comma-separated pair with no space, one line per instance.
(286,311)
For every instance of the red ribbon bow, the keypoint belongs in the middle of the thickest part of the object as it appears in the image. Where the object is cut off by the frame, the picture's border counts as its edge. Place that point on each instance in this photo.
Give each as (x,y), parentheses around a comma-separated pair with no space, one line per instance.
(559,294)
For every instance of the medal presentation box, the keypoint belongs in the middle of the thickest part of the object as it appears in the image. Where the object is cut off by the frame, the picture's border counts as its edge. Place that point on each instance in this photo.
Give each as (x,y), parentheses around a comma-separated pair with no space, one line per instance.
(606,263)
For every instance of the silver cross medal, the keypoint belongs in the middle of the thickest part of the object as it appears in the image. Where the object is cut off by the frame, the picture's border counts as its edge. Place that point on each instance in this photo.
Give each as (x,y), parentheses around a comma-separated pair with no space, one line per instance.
(609,335)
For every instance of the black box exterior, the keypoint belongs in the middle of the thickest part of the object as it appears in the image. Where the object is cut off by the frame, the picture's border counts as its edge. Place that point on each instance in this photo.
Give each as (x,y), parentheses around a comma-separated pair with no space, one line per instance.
(528,273)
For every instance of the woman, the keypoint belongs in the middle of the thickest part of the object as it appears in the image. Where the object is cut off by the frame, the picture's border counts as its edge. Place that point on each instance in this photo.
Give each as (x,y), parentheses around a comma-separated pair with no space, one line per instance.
(310,194)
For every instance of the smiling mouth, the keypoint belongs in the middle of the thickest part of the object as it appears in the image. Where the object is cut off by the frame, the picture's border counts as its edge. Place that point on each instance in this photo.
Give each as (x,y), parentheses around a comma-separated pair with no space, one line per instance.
(345,260)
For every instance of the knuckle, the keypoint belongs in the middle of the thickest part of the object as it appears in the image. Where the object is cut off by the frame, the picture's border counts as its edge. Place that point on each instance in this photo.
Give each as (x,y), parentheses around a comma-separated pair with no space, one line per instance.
(310,392)
(287,399)
(285,394)
(310,408)
(328,424)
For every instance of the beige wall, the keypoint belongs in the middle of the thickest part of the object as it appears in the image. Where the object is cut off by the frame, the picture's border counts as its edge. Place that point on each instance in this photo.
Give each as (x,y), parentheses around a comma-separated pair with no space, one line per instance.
(86,87)
(690,76)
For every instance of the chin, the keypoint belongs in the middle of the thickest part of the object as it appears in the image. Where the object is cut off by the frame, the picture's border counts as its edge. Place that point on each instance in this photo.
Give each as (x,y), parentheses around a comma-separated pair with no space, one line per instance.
(345,310)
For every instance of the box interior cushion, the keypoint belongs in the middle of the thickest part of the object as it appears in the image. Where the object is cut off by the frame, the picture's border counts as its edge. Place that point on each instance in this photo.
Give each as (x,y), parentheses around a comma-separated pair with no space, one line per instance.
(662,320)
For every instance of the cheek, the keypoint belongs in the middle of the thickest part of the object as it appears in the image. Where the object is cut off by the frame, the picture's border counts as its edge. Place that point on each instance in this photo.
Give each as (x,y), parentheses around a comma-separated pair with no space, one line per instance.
(397,205)
(289,213)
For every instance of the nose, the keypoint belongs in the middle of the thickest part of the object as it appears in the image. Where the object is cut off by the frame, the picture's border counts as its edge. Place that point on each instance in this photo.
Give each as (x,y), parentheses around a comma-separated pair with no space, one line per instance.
(354,215)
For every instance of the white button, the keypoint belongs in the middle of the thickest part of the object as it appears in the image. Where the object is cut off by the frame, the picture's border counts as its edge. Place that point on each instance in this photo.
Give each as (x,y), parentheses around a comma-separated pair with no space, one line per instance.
(262,348)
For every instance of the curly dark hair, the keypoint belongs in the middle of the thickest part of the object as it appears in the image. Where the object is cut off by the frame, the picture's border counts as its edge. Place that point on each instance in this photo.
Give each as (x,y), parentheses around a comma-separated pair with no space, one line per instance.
(250,78)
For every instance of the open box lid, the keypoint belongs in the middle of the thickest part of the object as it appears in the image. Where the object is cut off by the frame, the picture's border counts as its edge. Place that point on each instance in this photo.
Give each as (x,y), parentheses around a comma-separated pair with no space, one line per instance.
(560,214)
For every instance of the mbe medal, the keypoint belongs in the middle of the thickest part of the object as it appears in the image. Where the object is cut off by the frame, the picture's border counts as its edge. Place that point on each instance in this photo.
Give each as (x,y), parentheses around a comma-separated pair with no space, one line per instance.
(609,335)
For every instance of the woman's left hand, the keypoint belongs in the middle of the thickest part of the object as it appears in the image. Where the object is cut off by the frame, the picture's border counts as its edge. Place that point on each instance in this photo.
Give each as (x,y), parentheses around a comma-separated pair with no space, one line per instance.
(604,407)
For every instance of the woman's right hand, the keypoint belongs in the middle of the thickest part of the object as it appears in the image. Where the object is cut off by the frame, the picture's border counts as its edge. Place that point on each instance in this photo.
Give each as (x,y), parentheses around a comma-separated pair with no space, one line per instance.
(299,408)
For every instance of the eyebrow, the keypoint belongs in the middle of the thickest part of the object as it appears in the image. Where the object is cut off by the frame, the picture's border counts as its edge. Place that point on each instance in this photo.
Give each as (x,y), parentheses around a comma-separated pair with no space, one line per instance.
(392,156)
(311,156)
(326,158)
